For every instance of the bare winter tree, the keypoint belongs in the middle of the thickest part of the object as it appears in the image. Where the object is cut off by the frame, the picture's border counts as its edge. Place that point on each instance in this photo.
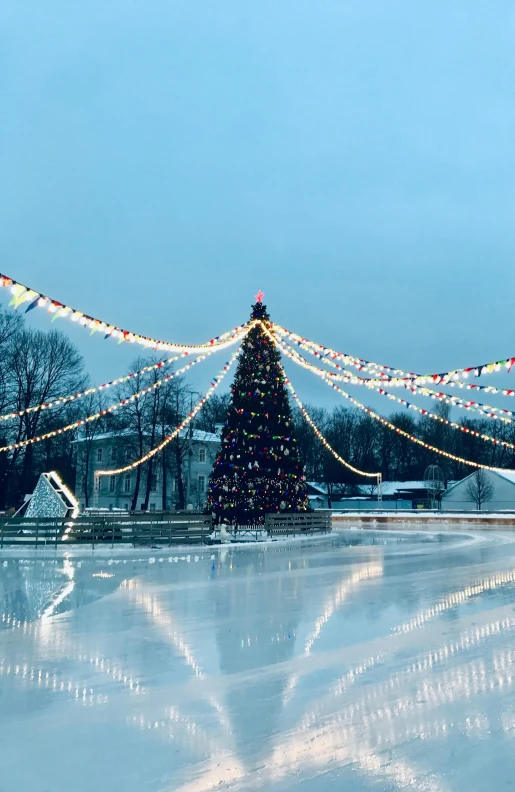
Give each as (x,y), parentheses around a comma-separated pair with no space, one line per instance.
(10,325)
(132,420)
(89,431)
(480,488)
(145,422)
(213,412)
(40,368)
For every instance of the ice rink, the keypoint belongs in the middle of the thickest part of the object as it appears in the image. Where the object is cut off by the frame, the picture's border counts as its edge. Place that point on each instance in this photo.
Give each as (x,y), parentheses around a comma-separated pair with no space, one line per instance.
(360,661)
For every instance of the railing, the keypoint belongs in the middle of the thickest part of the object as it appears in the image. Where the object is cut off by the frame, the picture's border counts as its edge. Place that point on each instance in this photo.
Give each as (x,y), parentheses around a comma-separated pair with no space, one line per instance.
(136,529)
(298,524)
(156,528)
(18,530)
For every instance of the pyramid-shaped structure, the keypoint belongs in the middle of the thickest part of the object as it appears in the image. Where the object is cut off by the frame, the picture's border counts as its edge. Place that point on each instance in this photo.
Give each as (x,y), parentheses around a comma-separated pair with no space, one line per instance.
(51,499)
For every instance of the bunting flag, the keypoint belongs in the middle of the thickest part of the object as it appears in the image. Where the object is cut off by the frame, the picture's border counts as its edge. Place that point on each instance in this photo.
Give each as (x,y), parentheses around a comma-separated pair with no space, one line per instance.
(485,409)
(58,310)
(297,358)
(387,372)
(97,388)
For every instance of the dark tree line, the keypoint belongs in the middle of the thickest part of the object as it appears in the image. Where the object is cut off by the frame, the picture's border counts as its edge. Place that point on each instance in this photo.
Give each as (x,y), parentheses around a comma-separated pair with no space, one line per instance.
(37,366)
(371,446)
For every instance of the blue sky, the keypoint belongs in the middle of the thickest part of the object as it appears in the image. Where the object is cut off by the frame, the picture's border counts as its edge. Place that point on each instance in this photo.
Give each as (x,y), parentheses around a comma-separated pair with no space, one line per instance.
(160,162)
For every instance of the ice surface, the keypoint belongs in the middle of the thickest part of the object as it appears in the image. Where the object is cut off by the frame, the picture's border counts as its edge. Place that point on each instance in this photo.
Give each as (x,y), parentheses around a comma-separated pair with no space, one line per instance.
(364,661)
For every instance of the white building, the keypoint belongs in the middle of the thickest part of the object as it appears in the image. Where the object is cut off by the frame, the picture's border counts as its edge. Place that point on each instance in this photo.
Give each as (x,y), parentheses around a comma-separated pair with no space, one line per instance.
(501,496)
(113,450)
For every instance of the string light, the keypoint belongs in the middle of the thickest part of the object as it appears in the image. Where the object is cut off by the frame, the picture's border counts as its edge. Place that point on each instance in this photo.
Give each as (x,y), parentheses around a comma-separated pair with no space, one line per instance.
(47,500)
(100,413)
(216,382)
(72,397)
(392,426)
(407,434)
(294,355)
(23,294)
(320,436)
(366,365)
(485,409)
(359,363)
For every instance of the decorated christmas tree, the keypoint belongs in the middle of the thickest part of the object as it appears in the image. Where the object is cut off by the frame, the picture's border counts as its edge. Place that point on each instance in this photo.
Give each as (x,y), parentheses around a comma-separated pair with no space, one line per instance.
(258,469)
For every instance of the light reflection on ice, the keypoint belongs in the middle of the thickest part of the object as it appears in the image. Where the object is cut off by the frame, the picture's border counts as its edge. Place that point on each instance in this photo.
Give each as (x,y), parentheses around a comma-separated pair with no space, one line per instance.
(198,669)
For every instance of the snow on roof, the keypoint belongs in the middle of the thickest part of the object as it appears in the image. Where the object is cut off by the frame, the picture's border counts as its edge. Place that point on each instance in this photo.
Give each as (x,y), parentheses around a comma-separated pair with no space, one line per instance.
(388,487)
(509,475)
(318,487)
(198,436)
(202,437)
(393,487)
(105,436)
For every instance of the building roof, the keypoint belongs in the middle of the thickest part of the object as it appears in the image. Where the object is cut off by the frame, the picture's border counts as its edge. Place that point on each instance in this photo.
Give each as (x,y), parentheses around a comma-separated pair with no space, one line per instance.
(508,475)
(387,488)
(394,487)
(318,487)
(198,436)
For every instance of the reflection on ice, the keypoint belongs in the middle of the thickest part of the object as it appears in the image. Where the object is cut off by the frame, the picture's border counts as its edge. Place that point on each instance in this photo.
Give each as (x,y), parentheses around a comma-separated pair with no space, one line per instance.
(360,662)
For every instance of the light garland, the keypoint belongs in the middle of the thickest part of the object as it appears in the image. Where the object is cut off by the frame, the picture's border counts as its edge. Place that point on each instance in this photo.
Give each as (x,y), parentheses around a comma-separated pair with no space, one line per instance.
(294,355)
(320,436)
(359,363)
(72,397)
(487,410)
(100,413)
(69,494)
(366,365)
(215,383)
(23,294)
(409,436)
(392,426)
(47,500)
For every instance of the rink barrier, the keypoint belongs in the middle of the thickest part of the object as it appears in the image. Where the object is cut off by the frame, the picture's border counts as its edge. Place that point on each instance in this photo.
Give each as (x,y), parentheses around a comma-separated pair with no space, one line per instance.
(137,529)
(145,529)
(297,524)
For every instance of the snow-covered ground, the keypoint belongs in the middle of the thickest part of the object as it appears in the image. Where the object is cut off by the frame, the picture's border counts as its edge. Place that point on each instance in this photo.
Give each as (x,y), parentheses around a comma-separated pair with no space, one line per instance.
(362,661)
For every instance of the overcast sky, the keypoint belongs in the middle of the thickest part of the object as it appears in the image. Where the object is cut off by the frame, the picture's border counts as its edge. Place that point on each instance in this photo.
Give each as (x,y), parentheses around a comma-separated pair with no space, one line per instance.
(162,161)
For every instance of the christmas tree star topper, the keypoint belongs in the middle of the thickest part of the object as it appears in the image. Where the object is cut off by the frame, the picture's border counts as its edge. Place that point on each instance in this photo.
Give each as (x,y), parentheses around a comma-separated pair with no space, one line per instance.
(259,296)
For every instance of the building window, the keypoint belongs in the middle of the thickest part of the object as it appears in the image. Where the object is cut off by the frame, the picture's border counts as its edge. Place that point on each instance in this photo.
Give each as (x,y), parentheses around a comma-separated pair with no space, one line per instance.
(99,454)
(201,484)
(153,483)
(126,507)
(202,455)
(152,507)
(112,483)
(113,454)
(127,483)
(128,454)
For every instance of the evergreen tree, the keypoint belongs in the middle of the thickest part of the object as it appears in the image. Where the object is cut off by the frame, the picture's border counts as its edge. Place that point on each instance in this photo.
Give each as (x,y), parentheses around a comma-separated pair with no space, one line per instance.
(258,469)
